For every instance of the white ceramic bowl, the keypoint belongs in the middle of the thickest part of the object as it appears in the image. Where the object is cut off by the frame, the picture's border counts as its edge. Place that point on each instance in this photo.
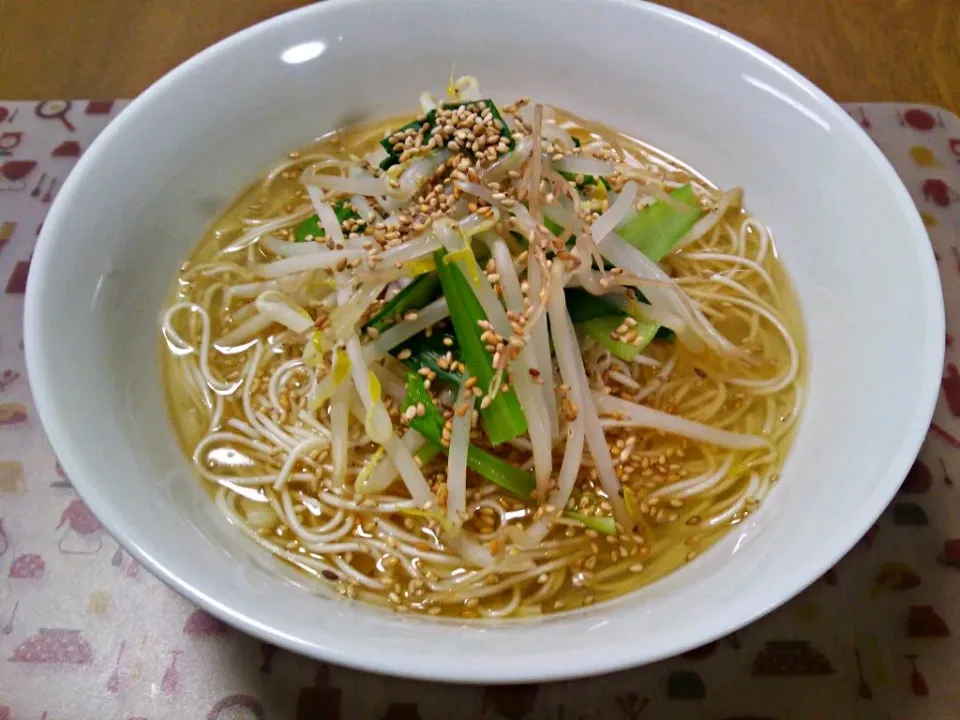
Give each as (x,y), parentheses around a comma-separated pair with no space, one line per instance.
(142,195)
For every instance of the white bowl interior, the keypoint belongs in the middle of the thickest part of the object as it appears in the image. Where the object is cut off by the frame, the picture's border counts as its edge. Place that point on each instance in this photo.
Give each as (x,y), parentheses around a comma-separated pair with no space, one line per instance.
(140,199)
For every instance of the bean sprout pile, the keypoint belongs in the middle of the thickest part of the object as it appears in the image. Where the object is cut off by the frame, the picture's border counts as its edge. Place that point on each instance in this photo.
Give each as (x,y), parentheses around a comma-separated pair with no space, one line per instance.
(486,362)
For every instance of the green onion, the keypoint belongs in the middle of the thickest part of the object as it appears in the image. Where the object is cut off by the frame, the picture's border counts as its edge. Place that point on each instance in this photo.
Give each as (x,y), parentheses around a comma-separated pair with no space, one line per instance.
(587,179)
(430,118)
(572,177)
(583,305)
(553,227)
(502,418)
(311,228)
(598,317)
(606,524)
(519,482)
(424,351)
(428,351)
(657,228)
(601,328)
(520,238)
(654,231)
(584,179)
(427,452)
(422,291)
(504,130)
(392,157)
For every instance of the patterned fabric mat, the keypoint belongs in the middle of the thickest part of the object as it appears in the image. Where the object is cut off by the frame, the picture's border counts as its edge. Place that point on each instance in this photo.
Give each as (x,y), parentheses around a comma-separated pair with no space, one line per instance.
(86,633)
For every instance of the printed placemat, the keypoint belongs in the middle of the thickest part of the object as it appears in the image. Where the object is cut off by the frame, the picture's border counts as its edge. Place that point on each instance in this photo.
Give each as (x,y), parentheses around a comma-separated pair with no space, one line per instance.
(87,634)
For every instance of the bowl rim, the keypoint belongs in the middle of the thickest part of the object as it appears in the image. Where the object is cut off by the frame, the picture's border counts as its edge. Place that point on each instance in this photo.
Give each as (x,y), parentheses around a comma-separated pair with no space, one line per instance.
(439,669)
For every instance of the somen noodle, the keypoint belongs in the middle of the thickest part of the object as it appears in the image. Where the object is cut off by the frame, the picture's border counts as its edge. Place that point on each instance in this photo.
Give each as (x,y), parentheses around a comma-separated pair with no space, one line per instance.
(484,362)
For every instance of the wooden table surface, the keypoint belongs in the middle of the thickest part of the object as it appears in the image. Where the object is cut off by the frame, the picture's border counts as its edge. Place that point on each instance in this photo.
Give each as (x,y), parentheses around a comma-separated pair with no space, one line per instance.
(866,50)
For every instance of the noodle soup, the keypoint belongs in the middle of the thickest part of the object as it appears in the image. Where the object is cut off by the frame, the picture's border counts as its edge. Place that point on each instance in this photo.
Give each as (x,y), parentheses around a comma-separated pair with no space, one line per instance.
(488,361)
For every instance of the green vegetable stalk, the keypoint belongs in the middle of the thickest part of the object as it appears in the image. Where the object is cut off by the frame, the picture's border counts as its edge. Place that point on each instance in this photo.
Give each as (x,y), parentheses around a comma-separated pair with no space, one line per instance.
(519,482)
(421,292)
(514,480)
(657,228)
(311,228)
(502,417)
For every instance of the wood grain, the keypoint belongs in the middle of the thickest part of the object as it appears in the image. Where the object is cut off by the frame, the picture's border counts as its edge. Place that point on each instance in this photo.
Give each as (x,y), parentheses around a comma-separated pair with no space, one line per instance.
(867,50)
